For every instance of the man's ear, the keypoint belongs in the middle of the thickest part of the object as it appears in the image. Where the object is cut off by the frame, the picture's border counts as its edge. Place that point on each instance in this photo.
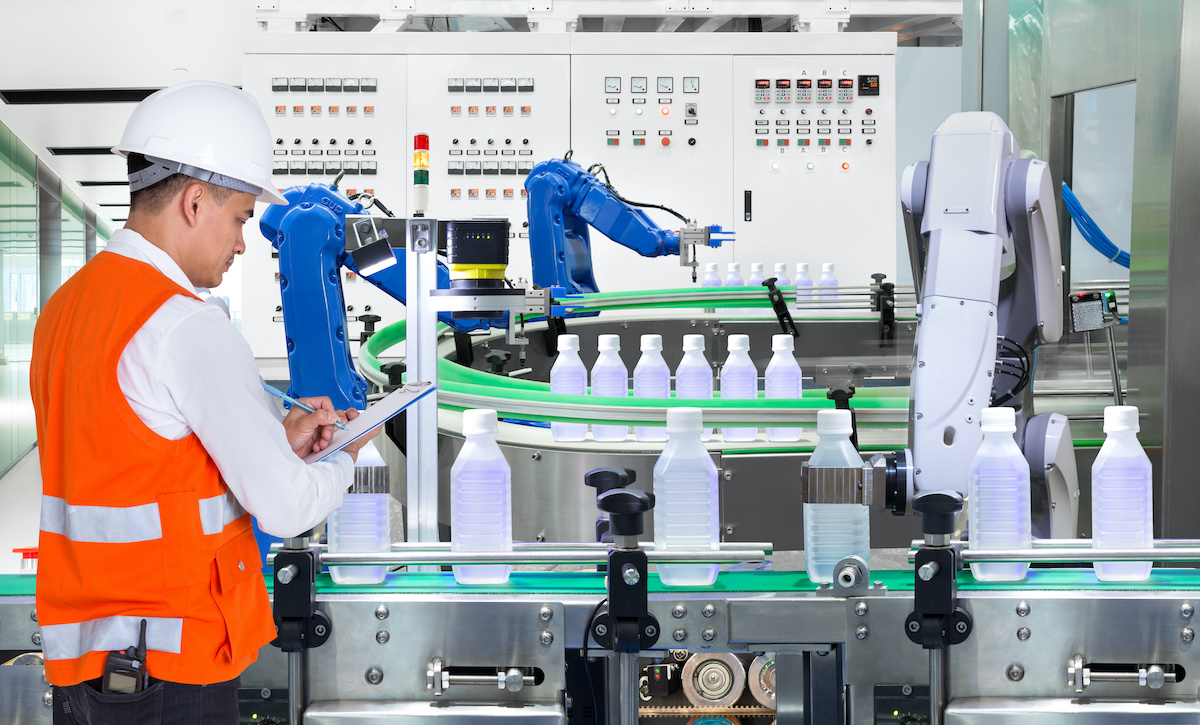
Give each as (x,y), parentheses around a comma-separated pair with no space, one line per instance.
(190,201)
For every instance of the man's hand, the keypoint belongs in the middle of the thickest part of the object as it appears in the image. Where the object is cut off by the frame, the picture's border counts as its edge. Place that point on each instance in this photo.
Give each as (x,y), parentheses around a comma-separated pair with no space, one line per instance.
(356,445)
(311,432)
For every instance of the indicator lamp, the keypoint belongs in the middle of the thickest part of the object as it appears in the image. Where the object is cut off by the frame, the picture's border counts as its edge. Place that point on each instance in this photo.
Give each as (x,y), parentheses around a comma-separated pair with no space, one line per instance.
(845,166)
(638,111)
(666,110)
(774,166)
(612,111)
(420,174)
(811,166)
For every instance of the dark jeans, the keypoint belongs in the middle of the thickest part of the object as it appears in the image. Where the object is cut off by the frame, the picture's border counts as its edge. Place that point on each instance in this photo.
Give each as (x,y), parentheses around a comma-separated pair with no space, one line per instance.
(161,703)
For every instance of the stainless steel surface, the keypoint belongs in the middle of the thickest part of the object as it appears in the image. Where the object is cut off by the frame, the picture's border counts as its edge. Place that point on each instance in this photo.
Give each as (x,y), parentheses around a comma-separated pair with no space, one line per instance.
(22,689)
(1092,44)
(530,557)
(420,713)
(1069,711)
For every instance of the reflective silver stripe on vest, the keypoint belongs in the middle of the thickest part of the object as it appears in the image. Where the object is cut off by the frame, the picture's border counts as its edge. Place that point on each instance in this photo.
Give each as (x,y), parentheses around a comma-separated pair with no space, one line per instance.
(72,641)
(218,512)
(101,524)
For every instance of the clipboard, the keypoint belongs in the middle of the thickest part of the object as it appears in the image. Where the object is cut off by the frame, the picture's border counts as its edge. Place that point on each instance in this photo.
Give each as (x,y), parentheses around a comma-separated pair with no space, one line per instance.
(373,417)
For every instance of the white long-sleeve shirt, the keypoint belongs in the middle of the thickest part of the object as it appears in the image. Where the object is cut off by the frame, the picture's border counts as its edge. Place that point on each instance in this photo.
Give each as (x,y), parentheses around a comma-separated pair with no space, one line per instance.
(189,370)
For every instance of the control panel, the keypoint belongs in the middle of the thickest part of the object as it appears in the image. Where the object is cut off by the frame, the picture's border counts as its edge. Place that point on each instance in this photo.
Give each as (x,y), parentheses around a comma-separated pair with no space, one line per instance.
(660,127)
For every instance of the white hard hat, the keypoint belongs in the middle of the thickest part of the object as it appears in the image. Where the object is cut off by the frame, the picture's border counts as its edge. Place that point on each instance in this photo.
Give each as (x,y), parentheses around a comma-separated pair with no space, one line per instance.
(206,130)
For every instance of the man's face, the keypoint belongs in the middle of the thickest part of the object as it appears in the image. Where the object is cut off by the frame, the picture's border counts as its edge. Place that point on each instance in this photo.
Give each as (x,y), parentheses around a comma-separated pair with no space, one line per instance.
(219,238)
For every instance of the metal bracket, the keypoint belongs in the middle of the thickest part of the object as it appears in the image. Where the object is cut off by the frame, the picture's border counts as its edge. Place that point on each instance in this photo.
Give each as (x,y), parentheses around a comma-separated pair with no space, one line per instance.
(866,485)
(852,578)
(1154,676)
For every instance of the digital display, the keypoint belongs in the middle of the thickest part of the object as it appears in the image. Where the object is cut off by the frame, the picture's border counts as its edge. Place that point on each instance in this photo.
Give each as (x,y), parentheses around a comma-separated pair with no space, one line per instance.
(825,83)
(762,83)
(845,83)
(783,83)
(804,83)
(868,85)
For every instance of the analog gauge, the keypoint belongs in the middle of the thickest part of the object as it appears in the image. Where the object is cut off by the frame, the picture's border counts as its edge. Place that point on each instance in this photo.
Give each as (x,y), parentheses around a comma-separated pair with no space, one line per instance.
(665,84)
(691,84)
(637,84)
(612,84)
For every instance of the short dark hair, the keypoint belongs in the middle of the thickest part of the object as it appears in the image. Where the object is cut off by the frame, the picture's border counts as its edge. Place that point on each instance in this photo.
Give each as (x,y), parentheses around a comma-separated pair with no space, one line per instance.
(154,198)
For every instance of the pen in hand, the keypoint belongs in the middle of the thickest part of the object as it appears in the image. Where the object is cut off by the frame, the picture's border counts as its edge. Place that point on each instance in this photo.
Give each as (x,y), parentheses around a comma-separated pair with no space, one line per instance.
(292,401)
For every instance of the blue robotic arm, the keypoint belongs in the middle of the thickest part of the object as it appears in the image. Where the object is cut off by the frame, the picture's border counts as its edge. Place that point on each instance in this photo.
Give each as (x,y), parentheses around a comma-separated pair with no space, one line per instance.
(564,200)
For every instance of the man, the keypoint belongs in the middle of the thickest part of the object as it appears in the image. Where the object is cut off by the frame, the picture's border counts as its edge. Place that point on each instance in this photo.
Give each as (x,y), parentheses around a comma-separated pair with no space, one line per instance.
(156,438)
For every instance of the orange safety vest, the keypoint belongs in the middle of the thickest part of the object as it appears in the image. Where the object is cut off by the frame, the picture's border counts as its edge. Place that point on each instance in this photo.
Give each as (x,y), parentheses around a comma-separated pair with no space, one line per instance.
(133,526)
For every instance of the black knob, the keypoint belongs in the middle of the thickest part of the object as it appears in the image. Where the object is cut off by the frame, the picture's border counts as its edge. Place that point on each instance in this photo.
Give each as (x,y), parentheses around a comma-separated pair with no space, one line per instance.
(879,277)
(454,142)
(349,308)
(279,142)
(368,320)
(349,142)
(473,142)
(497,359)
(279,308)
(333,142)
(524,142)
(606,479)
(508,142)
(869,142)
(366,308)
(297,142)
(938,509)
(691,142)
(367,142)
(316,141)
(626,508)
(491,141)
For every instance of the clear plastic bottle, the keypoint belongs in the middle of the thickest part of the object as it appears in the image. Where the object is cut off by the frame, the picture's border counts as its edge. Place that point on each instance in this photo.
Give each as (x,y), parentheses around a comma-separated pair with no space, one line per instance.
(480,499)
(711,277)
(694,375)
(362,525)
(1122,500)
(652,379)
(802,280)
(739,381)
(998,497)
(686,502)
(734,278)
(610,379)
(756,274)
(570,376)
(784,381)
(833,531)
(828,279)
(781,275)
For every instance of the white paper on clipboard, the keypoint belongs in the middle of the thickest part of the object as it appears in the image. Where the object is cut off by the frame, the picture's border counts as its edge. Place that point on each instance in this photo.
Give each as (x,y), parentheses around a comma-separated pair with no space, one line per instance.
(374,417)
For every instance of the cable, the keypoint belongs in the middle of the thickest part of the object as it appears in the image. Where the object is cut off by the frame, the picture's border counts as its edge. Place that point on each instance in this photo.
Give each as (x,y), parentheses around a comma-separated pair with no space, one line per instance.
(1091,231)
(329,20)
(612,189)
(587,631)
(1022,369)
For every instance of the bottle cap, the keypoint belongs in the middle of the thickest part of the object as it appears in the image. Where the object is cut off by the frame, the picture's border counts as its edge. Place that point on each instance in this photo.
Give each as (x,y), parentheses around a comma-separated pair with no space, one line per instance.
(801,267)
(711,268)
(1119,418)
(756,267)
(834,422)
(685,420)
(734,267)
(999,420)
(479,421)
(827,267)
(781,269)
(609,342)
(693,342)
(568,342)
(783,342)
(651,342)
(739,342)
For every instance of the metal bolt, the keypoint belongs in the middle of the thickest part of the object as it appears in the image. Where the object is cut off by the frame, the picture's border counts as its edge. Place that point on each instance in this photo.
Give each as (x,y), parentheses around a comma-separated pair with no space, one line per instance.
(1023,633)
(547,636)
(382,636)
(630,574)
(651,630)
(728,530)
(961,627)
(1022,609)
(708,610)
(287,574)
(601,630)
(320,630)
(37,638)
(861,609)
(1188,634)
(374,676)
(1186,611)
(906,690)
(914,627)
(728,475)
(48,698)
(536,456)
(265,693)
(546,614)
(679,611)
(709,634)
(1016,672)
(928,570)
(381,612)
(679,634)
(33,615)
(862,633)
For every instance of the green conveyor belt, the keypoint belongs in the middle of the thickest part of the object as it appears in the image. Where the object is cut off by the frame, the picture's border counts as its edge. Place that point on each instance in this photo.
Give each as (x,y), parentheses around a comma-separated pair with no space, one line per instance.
(748,582)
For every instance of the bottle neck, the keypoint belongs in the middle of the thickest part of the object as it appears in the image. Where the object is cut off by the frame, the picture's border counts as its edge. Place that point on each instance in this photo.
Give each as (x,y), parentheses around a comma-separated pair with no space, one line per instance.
(1122,435)
(998,434)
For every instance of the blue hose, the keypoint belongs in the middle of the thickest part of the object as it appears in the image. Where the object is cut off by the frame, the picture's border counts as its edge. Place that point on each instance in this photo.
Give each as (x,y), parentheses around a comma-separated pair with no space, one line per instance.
(1091,231)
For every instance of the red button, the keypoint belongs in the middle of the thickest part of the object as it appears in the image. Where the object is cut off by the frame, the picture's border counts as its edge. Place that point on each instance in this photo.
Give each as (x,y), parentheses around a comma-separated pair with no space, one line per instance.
(666,141)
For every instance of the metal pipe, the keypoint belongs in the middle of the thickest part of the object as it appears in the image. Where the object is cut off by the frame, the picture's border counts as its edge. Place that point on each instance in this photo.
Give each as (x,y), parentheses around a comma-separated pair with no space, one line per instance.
(1076,555)
(937,685)
(629,698)
(296,693)
(757,547)
(547,557)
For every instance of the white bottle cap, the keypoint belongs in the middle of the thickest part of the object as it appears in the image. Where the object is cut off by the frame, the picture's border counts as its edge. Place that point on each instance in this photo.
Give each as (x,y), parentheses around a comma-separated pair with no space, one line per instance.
(734,267)
(685,420)
(568,342)
(711,268)
(999,420)
(651,342)
(739,342)
(781,269)
(693,342)
(480,421)
(609,342)
(834,422)
(801,267)
(786,343)
(827,267)
(756,267)
(1118,418)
